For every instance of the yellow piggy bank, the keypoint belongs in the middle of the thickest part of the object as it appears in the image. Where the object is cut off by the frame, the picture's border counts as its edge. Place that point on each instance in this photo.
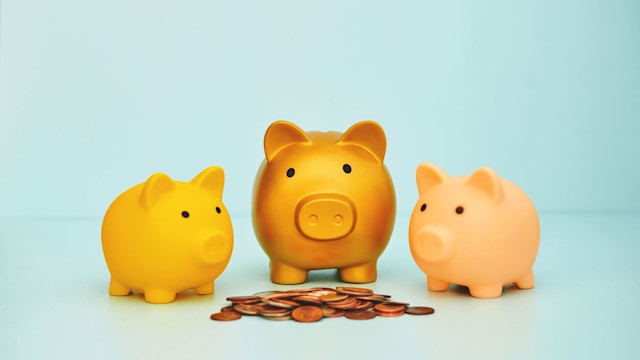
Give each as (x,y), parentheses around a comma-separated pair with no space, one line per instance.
(163,236)
(323,200)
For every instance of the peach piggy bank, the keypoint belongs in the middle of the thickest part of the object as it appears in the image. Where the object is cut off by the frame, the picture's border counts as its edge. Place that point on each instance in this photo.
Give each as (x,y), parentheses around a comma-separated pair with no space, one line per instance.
(323,200)
(163,236)
(478,231)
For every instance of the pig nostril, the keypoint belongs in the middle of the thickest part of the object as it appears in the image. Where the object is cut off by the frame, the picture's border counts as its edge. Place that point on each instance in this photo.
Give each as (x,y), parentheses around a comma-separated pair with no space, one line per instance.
(337,220)
(313,219)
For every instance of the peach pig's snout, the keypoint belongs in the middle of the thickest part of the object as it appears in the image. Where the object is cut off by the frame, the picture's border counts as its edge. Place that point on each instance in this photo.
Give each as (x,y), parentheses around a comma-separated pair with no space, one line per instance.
(325,217)
(215,249)
(432,244)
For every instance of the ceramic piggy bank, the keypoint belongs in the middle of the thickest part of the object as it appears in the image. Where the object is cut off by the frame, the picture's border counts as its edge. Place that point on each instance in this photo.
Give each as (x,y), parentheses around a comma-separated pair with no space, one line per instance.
(478,231)
(323,200)
(163,236)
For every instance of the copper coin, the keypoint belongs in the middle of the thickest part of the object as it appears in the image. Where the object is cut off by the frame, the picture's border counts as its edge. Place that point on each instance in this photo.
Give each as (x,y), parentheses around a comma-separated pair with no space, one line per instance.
(360,315)
(348,303)
(278,318)
(268,310)
(333,297)
(244,299)
(283,303)
(389,308)
(307,313)
(276,315)
(391,302)
(335,314)
(389,313)
(364,304)
(308,299)
(283,295)
(373,297)
(320,288)
(419,310)
(353,290)
(246,309)
(262,294)
(322,292)
(326,311)
(226,316)
(227,308)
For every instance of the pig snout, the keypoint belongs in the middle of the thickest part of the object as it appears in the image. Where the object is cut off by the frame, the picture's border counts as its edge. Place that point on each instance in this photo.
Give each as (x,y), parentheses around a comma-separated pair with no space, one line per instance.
(432,244)
(325,217)
(215,249)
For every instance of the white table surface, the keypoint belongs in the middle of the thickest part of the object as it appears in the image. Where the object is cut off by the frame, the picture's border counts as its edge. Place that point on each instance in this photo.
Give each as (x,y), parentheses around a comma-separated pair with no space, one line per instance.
(586,303)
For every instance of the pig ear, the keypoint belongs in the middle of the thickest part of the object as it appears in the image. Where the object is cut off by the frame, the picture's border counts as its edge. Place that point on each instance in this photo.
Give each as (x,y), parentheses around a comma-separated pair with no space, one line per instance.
(154,187)
(429,175)
(280,135)
(211,178)
(369,135)
(489,182)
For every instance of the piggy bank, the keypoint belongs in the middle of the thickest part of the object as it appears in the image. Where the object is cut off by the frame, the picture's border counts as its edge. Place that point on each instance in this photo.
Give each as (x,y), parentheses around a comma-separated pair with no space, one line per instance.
(478,231)
(323,200)
(163,236)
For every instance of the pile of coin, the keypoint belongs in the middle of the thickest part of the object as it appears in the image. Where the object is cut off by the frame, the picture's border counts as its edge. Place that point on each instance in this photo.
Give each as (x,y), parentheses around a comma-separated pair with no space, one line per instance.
(314,304)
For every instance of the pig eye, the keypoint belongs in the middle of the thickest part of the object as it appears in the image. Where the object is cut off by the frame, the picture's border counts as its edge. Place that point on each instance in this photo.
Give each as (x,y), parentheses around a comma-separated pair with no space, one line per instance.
(185,214)
(291,172)
(423,207)
(346,168)
(459,210)
(218,210)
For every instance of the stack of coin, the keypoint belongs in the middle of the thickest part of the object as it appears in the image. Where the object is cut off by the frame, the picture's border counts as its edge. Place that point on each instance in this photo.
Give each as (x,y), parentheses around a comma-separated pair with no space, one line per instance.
(313,304)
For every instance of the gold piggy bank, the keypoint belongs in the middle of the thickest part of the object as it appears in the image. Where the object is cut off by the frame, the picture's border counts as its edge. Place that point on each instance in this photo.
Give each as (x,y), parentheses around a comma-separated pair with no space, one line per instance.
(323,200)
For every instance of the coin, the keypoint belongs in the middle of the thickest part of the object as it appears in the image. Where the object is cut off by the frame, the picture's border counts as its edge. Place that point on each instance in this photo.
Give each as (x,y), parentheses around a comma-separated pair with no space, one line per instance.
(284,294)
(360,315)
(313,304)
(278,318)
(350,290)
(373,297)
(389,314)
(283,303)
(246,309)
(363,304)
(307,313)
(333,297)
(308,299)
(335,314)
(272,310)
(262,294)
(244,299)
(389,308)
(348,303)
(419,310)
(276,315)
(226,316)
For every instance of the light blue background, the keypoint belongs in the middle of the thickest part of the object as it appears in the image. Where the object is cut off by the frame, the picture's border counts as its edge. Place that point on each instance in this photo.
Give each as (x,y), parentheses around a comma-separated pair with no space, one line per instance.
(97,95)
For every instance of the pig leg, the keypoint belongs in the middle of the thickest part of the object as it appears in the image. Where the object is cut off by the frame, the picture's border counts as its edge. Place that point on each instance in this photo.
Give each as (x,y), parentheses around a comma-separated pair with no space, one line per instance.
(359,274)
(526,282)
(486,291)
(159,296)
(287,275)
(205,289)
(117,288)
(436,285)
